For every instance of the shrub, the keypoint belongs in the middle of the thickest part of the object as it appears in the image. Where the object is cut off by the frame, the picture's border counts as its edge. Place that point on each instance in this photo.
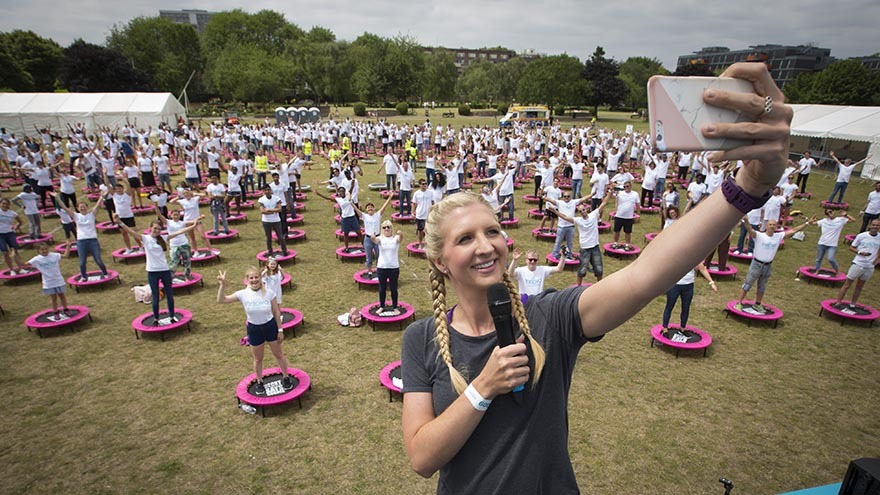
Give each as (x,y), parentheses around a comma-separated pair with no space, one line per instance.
(360,109)
(402,108)
(502,108)
(559,110)
(464,110)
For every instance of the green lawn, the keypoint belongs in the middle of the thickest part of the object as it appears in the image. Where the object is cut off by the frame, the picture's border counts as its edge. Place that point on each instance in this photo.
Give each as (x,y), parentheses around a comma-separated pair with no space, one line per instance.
(98,411)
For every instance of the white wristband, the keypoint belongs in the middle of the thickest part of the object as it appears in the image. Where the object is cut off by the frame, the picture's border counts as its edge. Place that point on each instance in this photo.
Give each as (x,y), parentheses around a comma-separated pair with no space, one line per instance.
(477,400)
(280,331)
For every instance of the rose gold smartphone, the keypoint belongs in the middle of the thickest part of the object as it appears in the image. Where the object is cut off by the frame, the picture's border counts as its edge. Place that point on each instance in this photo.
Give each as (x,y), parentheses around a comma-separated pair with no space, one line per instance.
(677,112)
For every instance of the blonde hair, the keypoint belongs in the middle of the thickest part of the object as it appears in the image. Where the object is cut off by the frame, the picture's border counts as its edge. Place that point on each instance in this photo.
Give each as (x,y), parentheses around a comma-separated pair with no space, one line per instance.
(433,250)
(256,271)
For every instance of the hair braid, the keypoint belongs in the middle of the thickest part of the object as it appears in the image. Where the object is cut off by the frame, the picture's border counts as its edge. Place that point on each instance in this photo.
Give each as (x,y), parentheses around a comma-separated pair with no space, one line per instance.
(519,312)
(441,329)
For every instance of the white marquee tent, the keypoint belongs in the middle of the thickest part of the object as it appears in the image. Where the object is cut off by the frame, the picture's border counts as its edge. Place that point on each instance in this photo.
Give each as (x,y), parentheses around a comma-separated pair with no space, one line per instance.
(20,112)
(845,123)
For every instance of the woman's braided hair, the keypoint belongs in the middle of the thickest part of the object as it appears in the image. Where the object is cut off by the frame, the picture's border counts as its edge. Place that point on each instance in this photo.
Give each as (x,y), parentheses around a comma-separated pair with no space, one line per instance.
(433,249)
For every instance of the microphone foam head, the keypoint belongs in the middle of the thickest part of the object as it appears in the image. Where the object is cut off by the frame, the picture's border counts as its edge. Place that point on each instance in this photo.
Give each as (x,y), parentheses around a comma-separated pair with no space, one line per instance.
(498,293)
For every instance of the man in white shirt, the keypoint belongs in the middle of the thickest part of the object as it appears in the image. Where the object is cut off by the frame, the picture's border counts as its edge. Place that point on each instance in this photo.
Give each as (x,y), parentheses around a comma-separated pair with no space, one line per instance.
(530,278)
(867,248)
(588,238)
(844,172)
(423,201)
(871,211)
(805,164)
(627,207)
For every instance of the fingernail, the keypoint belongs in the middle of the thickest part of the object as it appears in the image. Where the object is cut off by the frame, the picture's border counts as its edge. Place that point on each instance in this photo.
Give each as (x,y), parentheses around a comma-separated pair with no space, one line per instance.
(710,93)
(710,128)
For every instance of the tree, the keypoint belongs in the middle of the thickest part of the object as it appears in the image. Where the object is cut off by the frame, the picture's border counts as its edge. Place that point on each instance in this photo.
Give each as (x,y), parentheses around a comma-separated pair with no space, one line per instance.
(475,83)
(404,66)
(166,51)
(800,90)
(314,57)
(694,69)
(505,79)
(846,82)
(440,76)
(552,80)
(13,75)
(635,73)
(37,57)
(602,72)
(367,54)
(92,68)
(246,72)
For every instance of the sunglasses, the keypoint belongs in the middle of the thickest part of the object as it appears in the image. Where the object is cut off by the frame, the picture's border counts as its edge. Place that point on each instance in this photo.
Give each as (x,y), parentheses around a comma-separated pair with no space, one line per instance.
(566,197)
(386,227)
(531,259)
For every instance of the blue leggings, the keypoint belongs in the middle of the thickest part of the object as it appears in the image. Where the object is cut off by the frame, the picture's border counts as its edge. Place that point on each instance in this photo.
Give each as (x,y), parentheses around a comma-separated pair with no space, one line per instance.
(153,278)
(686,293)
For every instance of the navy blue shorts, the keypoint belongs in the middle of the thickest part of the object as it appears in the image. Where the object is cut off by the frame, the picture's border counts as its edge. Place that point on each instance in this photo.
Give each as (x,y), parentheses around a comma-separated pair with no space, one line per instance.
(7,240)
(267,332)
(350,224)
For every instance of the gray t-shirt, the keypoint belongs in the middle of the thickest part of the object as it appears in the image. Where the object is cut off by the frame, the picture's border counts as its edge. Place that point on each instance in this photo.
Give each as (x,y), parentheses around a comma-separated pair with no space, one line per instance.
(514,449)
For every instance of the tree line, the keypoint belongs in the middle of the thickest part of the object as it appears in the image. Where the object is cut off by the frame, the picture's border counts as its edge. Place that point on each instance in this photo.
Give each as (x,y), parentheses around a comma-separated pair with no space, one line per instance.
(262,57)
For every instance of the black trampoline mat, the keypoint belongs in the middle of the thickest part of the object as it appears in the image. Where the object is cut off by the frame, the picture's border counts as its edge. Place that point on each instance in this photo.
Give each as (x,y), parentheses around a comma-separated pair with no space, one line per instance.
(378,313)
(272,383)
(353,250)
(396,373)
(850,310)
(682,337)
(164,319)
(51,317)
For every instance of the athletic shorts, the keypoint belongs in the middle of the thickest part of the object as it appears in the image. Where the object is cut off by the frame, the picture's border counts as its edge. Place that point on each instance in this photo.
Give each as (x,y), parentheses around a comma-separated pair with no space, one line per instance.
(623,223)
(134,182)
(128,221)
(267,332)
(350,224)
(858,272)
(7,240)
(54,290)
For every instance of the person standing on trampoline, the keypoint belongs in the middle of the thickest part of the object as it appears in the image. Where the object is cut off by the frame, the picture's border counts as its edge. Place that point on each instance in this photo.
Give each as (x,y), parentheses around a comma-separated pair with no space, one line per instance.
(867,248)
(86,235)
(458,416)
(263,323)
(49,265)
(388,266)
(155,246)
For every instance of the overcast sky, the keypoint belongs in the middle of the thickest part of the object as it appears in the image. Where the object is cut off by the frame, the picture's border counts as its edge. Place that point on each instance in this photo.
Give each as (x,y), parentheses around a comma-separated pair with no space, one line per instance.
(662,29)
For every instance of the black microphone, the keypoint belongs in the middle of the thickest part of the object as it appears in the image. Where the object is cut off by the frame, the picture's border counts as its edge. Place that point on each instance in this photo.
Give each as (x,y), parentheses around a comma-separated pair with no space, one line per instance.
(501,308)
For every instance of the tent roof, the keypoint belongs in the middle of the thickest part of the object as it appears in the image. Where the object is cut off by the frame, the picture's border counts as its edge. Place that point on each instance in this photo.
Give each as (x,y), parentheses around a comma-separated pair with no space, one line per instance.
(837,122)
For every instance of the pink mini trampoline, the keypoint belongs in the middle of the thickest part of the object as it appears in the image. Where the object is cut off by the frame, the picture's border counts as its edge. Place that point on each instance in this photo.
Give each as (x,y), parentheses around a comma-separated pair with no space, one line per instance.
(650,236)
(204,255)
(46,319)
(290,256)
(372,314)
(236,217)
(531,199)
(248,203)
(803,195)
(715,271)
(290,319)
(511,223)
(603,226)
(390,377)
(536,213)
(636,218)
(351,235)
(622,250)
(60,248)
(822,275)
(691,338)
(123,255)
(553,260)
(107,227)
(293,235)
(849,238)
(744,256)
(221,236)
(275,395)
(847,311)
(415,249)
(145,323)
(650,210)
(297,206)
(48,212)
(179,281)
(143,210)
(296,219)
(94,279)
(544,234)
(300,197)
(397,217)
(25,240)
(29,273)
(366,280)
(835,206)
(385,192)
(751,313)
(353,252)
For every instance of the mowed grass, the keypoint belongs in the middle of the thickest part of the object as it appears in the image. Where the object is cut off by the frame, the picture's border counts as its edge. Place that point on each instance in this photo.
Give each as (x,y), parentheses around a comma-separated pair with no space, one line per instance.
(98,411)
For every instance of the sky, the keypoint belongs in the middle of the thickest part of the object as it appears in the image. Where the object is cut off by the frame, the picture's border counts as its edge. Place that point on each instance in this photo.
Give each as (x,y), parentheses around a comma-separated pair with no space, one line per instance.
(661,29)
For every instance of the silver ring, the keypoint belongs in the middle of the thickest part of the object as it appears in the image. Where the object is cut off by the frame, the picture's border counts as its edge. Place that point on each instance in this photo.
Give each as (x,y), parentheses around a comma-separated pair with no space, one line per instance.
(768,104)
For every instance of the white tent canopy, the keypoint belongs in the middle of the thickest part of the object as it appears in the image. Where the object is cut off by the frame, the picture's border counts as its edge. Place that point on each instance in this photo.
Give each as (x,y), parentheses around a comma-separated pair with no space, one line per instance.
(845,123)
(20,112)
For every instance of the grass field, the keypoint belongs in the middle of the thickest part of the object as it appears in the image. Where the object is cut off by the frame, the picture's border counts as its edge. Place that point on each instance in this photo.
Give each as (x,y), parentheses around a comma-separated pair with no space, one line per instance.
(97,411)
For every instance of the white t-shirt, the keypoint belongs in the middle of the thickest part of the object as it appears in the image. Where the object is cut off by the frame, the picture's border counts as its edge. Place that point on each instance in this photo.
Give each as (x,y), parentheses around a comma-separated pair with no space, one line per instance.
(831,230)
(567,208)
(865,242)
(257,305)
(190,208)
(697,191)
(122,202)
(588,229)
(873,207)
(173,227)
(270,203)
(766,246)
(7,218)
(844,172)
(85,226)
(50,268)
(29,201)
(687,279)
(806,164)
(532,282)
(600,182)
(372,223)
(388,248)
(345,208)
(626,204)
(156,261)
(273,283)
(422,199)
(773,207)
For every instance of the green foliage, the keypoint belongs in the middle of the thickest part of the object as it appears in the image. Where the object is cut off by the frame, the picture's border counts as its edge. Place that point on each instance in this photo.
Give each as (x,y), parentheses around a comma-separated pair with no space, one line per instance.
(846,82)
(402,108)
(464,110)
(168,52)
(248,73)
(502,108)
(559,110)
(360,109)
(318,59)
(36,61)
(635,73)
(606,88)
(694,70)
(800,90)
(487,81)
(552,80)
(440,76)
(92,68)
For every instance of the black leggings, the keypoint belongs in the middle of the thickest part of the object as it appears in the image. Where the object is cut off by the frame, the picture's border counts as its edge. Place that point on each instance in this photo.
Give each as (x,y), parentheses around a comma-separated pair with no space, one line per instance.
(647,196)
(388,280)
(268,228)
(153,278)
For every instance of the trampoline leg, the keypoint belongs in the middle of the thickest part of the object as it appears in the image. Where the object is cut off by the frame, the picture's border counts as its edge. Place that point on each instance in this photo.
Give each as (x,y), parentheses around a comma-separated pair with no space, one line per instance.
(300,403)
(775,322)
(162,336)
(677,350)
(821,310)
(705,351)
(652,342)
(40,332)
(90,317)
(136,335)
